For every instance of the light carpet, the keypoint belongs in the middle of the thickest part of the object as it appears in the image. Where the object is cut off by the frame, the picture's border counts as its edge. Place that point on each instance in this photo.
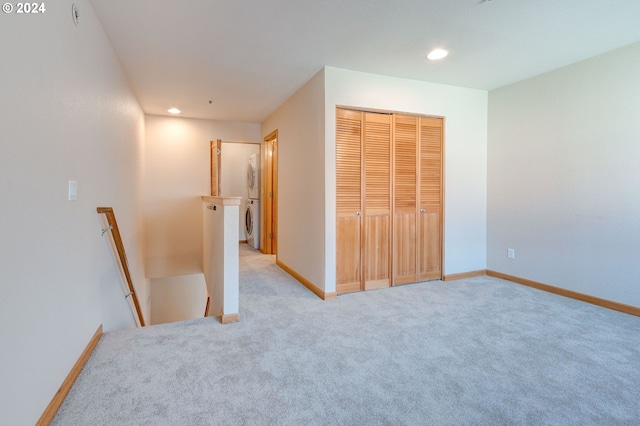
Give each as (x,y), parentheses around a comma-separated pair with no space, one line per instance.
(474,351)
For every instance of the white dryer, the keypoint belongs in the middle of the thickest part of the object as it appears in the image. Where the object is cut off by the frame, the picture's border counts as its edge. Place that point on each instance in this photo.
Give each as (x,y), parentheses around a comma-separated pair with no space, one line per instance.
(252,176)
(251,223)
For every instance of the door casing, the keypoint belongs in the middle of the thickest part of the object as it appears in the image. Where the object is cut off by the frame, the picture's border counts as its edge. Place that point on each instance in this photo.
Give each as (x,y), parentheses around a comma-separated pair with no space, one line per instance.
(269,206)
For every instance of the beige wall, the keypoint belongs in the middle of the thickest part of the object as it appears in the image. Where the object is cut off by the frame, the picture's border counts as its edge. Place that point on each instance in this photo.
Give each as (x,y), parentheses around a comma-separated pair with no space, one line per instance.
(66,113)
(306,165)
(564,173)
(178,298)
(177,175)
(300,125)
(183,297)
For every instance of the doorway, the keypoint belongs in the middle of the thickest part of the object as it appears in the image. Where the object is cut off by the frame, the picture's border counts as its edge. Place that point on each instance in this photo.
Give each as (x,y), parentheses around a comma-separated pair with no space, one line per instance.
(269,234)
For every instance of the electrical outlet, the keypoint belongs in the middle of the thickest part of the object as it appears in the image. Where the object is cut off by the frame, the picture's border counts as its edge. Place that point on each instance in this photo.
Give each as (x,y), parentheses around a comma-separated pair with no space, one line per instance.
(72,190)
(511,253)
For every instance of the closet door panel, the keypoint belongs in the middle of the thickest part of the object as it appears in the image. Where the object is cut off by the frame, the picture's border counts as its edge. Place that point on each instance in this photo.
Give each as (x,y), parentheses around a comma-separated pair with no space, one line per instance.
(376,249)
(404,248)
(348,201)
(405,176)
(430,257)
(377,201)
(430,246)
(348,266)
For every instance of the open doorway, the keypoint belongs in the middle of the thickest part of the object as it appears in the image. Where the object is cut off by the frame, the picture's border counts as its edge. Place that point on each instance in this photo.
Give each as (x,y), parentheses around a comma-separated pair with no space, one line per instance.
(269,233)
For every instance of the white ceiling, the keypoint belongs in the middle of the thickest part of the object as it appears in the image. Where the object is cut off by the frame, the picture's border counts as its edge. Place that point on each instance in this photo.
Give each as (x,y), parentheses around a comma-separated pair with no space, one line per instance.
(248,57)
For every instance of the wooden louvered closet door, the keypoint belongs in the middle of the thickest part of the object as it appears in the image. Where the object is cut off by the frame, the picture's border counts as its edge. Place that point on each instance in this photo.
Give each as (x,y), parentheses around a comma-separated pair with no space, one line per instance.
(377,201)
(405,207)
(348,200)
(388,189)
(430,199)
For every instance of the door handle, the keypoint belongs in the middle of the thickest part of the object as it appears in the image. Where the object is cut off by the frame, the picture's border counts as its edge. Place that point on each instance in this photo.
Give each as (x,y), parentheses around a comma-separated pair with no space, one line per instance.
(358,213)
(422,210)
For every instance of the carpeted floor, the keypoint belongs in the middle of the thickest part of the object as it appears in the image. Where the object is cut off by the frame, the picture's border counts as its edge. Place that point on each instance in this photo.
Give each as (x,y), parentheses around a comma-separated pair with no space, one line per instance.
(477,351)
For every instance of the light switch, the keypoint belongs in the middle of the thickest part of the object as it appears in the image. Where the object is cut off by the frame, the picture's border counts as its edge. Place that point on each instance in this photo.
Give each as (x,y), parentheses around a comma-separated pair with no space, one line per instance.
(73,190)
(511,253)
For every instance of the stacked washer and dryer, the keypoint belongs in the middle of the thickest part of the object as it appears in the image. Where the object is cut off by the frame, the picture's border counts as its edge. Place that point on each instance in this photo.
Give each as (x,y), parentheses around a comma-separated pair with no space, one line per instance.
(252,214)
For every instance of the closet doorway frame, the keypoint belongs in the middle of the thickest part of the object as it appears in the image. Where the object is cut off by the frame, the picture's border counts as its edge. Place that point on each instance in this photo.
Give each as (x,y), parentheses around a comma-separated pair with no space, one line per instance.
(441,224)
(269,206)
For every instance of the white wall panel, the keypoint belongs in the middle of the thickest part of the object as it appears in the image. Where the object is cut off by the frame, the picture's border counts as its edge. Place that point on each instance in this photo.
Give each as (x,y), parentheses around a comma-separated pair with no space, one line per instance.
(564,177)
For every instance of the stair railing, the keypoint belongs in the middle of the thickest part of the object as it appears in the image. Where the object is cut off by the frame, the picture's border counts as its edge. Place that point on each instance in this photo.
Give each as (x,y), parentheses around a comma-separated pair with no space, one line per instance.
(117,240)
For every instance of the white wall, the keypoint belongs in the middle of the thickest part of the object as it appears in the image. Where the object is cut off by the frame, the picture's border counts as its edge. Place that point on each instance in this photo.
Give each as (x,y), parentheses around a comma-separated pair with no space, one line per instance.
(66,113)
(564,173)
(235,159)
(177,175)
(465,156)
(301,179)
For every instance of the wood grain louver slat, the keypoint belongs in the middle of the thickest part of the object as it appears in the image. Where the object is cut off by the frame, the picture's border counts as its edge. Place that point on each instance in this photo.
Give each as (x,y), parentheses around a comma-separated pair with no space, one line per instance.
(430,164)
(377,146)
(348,163)
(405,173)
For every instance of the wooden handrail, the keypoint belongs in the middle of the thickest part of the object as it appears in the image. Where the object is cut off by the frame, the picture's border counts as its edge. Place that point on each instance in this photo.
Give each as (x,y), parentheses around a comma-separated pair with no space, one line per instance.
(115,233)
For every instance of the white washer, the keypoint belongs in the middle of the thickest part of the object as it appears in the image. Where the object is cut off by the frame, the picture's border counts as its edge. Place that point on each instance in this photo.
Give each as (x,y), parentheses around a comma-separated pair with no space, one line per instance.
(251,223)
(252,176)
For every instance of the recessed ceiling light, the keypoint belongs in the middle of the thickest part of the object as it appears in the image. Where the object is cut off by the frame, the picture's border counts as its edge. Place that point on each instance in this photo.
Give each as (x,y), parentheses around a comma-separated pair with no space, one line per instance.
(174,111)
(436,54)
